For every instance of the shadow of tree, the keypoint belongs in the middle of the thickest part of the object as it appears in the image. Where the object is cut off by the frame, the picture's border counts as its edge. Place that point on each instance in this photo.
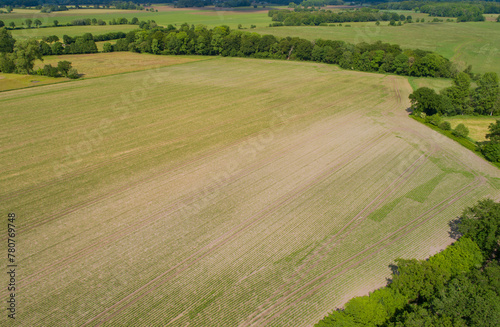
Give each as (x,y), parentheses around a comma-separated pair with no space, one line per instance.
(454,224)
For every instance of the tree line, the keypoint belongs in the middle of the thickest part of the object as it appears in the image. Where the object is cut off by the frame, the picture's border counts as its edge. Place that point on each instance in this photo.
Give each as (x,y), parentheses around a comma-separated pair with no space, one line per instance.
(20,56)
(221,40)
(317,3)
(460,98)
(464,11)
(51,45)
(302,16)
(28,23)
(104,3)
(459,286)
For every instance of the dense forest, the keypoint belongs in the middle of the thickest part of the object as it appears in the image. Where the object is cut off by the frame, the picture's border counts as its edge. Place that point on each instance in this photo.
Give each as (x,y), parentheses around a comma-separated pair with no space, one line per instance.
(318,17)
(459,286)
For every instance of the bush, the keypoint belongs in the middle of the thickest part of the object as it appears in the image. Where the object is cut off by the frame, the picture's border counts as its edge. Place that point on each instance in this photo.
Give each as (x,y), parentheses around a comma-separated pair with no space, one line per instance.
(73,74)
(445,126)
(461,131)
(6,63)
(50,71)
(64,67)
(491,151)
(107,47)
(434,119)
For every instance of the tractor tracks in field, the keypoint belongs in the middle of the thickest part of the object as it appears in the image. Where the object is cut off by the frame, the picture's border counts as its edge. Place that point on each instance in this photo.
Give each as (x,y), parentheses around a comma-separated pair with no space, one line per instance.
(301,271)
(119,190)
(259,317)
(172,208)
(317,255)
(261,320)
(277,204)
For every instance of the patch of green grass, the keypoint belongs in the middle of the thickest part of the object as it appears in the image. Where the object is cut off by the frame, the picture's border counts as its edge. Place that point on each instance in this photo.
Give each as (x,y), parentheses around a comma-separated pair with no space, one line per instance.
(382,212)
(422,192)
(38,33)
(18,81)
(478,125)
(437,84)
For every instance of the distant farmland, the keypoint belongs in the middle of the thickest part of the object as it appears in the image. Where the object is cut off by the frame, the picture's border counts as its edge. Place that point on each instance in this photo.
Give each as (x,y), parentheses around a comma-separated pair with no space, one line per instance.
(230,192)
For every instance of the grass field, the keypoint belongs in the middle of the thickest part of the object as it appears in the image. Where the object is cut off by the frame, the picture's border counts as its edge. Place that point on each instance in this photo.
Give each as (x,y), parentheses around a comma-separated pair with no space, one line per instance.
(207,16)
(222,192)
(16,81)
(94,65)
(478,126)
(103,64)
(23,34)
(436,84)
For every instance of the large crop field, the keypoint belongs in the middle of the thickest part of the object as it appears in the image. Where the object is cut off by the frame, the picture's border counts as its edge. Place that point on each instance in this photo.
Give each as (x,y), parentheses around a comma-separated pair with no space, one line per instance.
(223,192)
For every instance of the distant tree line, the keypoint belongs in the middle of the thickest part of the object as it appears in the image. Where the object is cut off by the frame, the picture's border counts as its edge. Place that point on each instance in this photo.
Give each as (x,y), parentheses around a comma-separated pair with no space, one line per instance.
(127,5)
(50,8)
(459,286)
(316,17)
(216,3)
(317,3)
(221,40)
(101,3)
(460,98)
(20,56)
(28,23)
(464,11)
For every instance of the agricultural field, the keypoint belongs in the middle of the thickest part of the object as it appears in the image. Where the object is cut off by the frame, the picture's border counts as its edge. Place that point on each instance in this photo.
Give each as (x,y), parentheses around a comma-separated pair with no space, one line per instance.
(23,34)
(230,191)
(94,65)
(477,125)
(165,15)
(103,64)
